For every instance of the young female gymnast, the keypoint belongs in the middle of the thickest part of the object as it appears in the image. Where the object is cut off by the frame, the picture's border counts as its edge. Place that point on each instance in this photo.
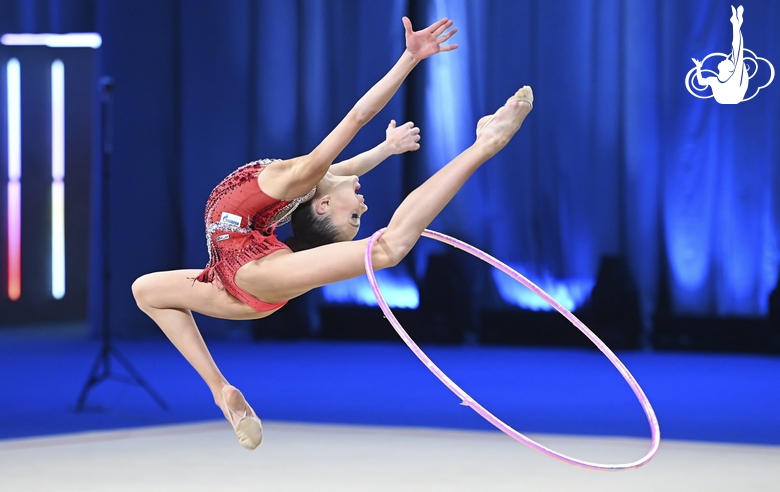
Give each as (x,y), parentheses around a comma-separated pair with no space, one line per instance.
(251,274)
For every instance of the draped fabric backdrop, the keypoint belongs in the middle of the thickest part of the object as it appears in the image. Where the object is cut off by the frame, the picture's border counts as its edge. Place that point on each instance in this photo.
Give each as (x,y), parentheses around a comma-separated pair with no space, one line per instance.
(617,157)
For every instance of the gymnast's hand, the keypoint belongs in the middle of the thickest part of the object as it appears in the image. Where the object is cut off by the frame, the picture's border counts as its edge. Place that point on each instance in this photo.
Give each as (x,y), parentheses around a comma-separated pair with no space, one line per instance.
(402,138)
(427,42)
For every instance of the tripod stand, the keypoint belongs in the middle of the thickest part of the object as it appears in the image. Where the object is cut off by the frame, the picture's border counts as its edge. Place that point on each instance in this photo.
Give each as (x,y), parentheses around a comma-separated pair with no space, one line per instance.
(102,368)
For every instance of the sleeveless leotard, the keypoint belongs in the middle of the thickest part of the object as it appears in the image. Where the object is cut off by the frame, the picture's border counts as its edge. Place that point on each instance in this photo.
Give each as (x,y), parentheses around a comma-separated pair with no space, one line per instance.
(240,222)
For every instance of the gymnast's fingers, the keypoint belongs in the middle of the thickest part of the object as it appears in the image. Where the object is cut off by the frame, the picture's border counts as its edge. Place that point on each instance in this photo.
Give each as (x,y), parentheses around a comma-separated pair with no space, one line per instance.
(436,25)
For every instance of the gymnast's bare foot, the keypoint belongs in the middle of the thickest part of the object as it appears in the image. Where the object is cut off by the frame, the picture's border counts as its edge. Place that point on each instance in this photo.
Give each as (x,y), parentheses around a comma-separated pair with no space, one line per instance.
(496,130)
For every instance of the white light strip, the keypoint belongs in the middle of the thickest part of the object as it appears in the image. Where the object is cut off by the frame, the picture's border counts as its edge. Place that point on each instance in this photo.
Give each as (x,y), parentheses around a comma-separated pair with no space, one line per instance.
(14,211)
(14,88)
(58,176)
(58,240)
(57,120)
(70,40)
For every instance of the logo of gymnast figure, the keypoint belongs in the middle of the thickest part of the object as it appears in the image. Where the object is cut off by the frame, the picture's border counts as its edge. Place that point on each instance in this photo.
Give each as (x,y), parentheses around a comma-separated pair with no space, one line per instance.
(730,84)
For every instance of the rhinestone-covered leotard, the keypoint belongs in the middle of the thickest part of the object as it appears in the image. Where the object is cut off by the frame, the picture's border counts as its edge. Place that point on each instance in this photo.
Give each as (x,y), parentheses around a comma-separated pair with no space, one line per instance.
(240,221)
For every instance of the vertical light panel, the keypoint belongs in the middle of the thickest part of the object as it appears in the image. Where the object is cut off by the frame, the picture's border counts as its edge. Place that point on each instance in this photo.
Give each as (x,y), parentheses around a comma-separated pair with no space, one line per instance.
(58,179)
(14,218)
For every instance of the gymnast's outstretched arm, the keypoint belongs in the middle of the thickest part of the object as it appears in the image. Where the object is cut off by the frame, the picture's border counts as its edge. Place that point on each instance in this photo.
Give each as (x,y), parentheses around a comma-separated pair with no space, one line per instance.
(701,80)
(281,277)
(295,177)
(399,139)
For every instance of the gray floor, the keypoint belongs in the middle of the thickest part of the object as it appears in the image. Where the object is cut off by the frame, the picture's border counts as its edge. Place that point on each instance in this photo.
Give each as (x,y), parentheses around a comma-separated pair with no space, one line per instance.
(303,457)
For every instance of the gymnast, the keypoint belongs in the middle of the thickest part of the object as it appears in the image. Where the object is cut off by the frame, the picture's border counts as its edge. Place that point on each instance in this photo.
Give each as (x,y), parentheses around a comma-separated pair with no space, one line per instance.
(731,84)
(251,274)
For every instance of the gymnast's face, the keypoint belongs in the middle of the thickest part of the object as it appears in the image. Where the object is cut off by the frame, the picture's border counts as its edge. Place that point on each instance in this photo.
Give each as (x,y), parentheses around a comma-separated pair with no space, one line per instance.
(341,201)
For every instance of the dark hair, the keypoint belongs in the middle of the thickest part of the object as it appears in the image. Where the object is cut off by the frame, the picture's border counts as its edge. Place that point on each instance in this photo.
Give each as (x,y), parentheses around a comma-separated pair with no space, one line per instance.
(309,229)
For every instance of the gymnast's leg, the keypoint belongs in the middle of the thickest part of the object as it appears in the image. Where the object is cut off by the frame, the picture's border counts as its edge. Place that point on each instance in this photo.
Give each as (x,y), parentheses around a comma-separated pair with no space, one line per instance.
(169,299)
(423,204)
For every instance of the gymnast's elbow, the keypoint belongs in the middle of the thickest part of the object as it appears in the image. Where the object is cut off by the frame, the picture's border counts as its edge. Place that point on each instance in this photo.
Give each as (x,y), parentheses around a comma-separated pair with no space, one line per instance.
(362,114)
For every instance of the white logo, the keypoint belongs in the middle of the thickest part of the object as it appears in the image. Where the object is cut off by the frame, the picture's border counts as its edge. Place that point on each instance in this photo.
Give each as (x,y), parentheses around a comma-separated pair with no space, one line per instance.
(223,237)
(730,84)
(230,219)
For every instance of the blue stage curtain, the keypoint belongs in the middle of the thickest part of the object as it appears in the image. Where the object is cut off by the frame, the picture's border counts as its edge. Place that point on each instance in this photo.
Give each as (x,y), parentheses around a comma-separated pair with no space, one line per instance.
(617,157)
(719,182)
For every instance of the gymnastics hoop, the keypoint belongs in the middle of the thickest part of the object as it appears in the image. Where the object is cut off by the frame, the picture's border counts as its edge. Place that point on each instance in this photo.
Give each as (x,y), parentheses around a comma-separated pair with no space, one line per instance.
(468,401)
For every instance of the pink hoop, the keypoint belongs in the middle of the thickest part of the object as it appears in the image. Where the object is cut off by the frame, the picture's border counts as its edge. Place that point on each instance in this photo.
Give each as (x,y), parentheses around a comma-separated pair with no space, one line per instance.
(470,402)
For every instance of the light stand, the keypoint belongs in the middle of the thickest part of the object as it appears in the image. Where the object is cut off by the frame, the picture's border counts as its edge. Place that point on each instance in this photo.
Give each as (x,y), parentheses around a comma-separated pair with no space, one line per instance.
(102,368)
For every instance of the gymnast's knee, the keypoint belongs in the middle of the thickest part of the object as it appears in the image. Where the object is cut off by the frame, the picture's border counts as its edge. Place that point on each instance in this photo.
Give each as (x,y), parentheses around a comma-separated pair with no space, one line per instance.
(142,292)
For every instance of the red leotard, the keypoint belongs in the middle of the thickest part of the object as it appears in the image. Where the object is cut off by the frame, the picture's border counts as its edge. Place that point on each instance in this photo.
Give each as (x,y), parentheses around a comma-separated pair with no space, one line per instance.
(240,223)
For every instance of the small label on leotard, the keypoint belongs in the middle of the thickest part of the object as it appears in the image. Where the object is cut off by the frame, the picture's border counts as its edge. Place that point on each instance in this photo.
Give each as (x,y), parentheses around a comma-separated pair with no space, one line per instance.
(222,237)
(231,219)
